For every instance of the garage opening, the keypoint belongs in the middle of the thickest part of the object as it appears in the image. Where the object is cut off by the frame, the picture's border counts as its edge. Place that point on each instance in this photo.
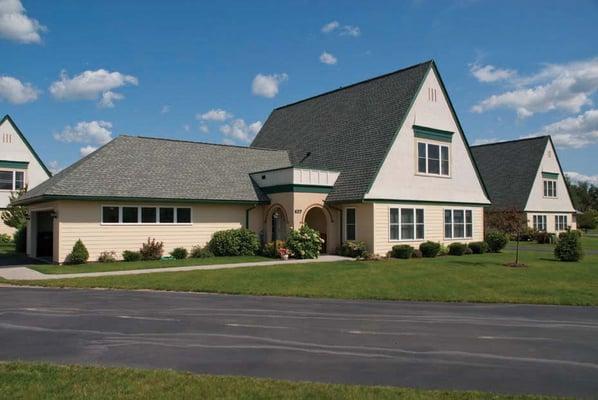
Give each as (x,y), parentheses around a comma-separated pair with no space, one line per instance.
(43,234)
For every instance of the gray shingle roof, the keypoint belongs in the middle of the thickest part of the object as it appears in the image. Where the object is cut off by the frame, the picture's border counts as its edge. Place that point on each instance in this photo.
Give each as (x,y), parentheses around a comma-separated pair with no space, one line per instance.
(152,168)
(348,130)
(509,169)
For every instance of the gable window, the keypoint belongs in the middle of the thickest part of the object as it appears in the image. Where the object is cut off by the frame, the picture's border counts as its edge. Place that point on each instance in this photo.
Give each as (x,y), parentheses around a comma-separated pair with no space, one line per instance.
(458,224)
(539,222)
(350,224)
(432,159)
(406,223)
(560,222)
(12,180)
(145,215)
(549,188)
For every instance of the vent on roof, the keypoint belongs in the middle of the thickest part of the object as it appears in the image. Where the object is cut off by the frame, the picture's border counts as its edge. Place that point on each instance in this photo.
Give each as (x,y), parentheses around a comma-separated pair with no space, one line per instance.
(432,96)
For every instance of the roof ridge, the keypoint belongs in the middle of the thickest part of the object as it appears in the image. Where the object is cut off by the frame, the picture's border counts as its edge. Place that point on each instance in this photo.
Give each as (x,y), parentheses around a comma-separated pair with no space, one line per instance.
(512,141)
(431,61)
(199,142)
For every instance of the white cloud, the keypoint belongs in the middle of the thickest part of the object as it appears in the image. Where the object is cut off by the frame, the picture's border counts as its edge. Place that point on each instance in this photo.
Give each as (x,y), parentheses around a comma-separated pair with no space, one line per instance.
(16,92)
(94,132)
(577,177)
(91,85)
(328,58)
(238,130)
(489,73)
(204,128)
(574,132)
(54,167)
(565,87)
(16,25)
(481,141)
(165,109)
(87,150)
(186,127)
(215,114)
(267,85)
(329,27)
(349,30)
(229,142)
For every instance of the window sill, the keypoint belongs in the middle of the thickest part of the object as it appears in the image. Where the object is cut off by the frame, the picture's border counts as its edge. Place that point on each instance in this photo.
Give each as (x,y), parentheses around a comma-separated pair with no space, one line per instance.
(433,175)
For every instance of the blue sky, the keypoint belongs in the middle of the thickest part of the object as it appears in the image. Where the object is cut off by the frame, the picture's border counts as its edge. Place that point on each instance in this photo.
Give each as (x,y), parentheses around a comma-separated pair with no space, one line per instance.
(76,73)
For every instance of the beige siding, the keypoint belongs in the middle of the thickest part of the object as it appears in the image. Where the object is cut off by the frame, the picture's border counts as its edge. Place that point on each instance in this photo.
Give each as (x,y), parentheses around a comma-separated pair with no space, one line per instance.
(550,222)
(364,222)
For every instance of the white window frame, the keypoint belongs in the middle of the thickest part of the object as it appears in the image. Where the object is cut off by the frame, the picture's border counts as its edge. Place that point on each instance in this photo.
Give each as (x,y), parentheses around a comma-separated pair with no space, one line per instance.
(453,237)
(345,223)
(561,222)
(536,218)
(14,179)
(120,215)
(400,222)
(547,184)
(440,146)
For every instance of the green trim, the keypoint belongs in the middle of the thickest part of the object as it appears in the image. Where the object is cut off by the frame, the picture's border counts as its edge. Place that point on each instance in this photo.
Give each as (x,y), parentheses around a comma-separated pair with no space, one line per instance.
(292,167)
(550,175)
(46,198)
(24,139)
(433,134)
(296,188)
(14,164)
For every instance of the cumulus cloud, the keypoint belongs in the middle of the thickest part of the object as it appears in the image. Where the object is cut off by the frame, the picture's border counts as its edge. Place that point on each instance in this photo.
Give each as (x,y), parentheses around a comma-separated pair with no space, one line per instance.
(328,58)
(489,73)
(16,92)
(267,85)
(93,132)
(238,131)
(215,114)
(577,177)
(186,127)
(329,27)
(564,87)
(16,25)
(574,132)
(481,141)
(204,128)
(345,30)
(165,109)
(54,167)
(92,85)
(87,150)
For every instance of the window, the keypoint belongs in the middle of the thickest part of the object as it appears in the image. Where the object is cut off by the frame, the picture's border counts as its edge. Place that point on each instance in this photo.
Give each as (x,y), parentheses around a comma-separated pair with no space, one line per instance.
(539,222)
(6,180)
(19,180)
(560,222)
(145,215)
(148,215)
(350,224)
(166,215)
(130,215)
(183,215)
(12,180)
(406,223)
(549,188)
(432,159)
(110,215)
(458,224)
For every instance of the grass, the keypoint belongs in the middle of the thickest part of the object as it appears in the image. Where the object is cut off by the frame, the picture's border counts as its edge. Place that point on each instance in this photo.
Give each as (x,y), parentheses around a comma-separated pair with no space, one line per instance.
(123,266)
(45,381)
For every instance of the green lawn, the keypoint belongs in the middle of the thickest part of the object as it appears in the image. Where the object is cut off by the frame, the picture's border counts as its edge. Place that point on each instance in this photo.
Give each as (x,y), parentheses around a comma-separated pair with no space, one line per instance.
(122,266)
(45,381)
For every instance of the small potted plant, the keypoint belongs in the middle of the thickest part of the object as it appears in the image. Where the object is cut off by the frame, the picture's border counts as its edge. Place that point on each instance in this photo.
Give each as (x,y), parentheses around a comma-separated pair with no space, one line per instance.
(284,253)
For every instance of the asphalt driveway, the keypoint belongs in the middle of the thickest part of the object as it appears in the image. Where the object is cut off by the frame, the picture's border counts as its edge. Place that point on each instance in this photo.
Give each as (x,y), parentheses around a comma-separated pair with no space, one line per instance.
(490,347)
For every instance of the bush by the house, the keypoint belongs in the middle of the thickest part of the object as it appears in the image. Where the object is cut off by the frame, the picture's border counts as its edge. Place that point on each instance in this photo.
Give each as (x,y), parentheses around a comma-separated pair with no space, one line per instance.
(496,241)
(151,250)
(542,237)
(478,247)
(354,249)
(179,253)
(568,247)
(201,252)
(20,239)
(527,234)
(457,249)
(304,242)
(107,257)
(5,238)
(270,249)
(429,249)
(234,242)
(129,255)
(403,251)
(468,251)
(79,254)
(417,253)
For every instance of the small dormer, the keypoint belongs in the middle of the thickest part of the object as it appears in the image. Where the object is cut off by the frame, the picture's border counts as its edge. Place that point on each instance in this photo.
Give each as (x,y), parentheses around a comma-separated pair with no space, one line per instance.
(293,179)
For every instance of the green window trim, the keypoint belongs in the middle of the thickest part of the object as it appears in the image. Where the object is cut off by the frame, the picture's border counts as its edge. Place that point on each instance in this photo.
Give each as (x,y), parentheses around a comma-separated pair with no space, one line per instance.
(433,134)
(550,175)
(14,164)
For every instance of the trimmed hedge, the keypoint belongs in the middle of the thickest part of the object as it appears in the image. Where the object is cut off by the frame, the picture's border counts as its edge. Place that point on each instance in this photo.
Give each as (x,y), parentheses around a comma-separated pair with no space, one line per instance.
(568,247)
(79,254)
(179,253)
(496,241)
(403,251)
(429,249)
(478,247)
(129,255)
(234,242)
(457,249)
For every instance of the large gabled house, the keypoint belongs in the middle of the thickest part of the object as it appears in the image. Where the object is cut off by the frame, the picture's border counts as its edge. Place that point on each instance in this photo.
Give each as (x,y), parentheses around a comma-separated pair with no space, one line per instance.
(384,161)
(526,175)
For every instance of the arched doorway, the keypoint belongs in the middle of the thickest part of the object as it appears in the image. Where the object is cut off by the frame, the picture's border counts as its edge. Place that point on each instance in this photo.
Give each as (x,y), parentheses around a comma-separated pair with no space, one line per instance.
(316,219)
(278,224)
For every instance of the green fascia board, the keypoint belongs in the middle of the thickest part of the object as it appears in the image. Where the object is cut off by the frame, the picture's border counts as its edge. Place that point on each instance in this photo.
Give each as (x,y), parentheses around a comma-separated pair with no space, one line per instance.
(50,197)
(550,175)
(14,164)
(433,134)
(24,139)
(296,188)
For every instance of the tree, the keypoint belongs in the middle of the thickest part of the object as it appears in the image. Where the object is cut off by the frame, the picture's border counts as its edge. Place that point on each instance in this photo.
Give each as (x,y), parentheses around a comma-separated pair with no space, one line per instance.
(587,220)
(15,216)
(511,222)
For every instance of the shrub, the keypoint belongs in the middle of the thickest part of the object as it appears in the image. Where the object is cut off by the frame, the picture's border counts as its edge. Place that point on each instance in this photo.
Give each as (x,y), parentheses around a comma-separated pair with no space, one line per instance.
(354,248)
(496,241)
(270,249)
(478,247)
(568,247)
(234,242)
(542,237)
(201,252)
(20,239)
(304,242)
(468,251)
(403,251)
(107,257)
(527,234)
(417,253)
(129,255)
(5,238)
(151,250)
(457,249)
(429,249)
(179,253)
(79,254)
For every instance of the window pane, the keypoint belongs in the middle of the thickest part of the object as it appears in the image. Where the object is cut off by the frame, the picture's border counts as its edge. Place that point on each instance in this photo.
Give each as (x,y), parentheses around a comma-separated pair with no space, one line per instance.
(444,160)
(130,215)
(433,159)
(350,216)
(394,232)
(545,188)
(419,214)
(110,215)
(407,223)
(448,233)
(407,216)
(419,231)
(394,215)
(468,230)
(19,180)
(6,180)
(458,216)
(183,215)
(350,232)
(468,217)
(148,215)
(421,157)
(448,216)
(554,189)
(166,215)
(407,231)
(459,230)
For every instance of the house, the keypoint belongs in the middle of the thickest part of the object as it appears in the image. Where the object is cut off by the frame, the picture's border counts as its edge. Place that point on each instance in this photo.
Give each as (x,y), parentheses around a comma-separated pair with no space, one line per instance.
(20,166)
(526,175)
(384,161)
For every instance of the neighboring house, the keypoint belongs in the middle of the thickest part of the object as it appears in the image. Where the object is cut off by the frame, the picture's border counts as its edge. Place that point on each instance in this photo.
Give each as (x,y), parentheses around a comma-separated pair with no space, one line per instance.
(526,175)
(384,161)
(20,165)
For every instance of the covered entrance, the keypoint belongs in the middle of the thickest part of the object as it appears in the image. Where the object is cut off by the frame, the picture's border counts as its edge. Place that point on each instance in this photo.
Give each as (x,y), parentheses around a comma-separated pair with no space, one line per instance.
(316,219)
(42,234)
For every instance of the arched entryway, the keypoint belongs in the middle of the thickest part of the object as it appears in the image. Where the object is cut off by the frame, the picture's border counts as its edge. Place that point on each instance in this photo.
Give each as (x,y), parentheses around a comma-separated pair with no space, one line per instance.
(278,224)
(316,219)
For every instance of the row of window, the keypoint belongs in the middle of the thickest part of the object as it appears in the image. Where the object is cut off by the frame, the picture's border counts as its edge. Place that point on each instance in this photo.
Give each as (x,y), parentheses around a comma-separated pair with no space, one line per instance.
(560,222)
(549,188)
(432,159)
(12,180)
(145,215)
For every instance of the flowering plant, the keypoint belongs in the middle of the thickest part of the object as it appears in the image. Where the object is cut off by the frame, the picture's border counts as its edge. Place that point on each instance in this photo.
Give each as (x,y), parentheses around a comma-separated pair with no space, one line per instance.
(283,252)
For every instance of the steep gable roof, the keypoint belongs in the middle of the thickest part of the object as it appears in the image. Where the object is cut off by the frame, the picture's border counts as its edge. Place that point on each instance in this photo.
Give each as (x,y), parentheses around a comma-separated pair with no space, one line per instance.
(162,169)
(349,129)
(509,169)
(8,119)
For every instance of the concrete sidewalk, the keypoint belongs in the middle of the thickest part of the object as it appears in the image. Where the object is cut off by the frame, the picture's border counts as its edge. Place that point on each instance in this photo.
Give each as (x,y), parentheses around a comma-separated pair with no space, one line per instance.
(26,274)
